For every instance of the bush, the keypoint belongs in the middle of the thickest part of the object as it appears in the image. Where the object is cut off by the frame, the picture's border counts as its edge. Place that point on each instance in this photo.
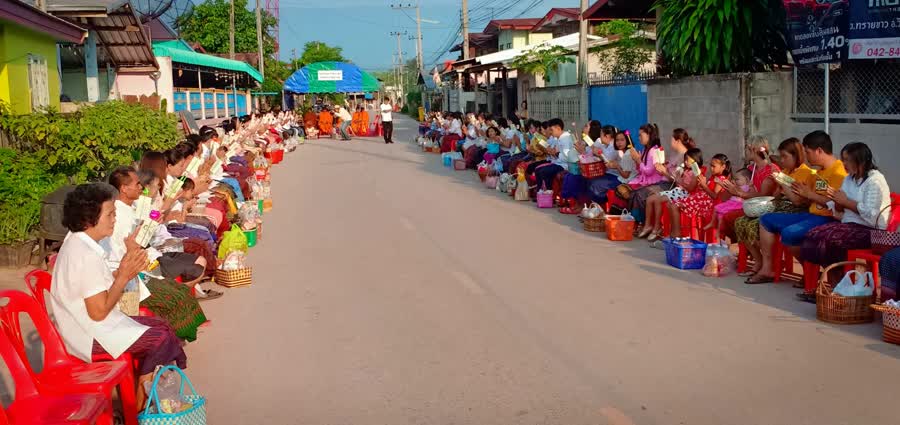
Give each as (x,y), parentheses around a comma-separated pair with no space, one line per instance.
(87,143)
(24,181)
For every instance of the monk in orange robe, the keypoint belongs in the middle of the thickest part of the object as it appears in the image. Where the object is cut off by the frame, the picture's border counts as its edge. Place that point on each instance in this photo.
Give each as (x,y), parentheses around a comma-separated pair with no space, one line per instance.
(360,123)
(309,118)
(326,122)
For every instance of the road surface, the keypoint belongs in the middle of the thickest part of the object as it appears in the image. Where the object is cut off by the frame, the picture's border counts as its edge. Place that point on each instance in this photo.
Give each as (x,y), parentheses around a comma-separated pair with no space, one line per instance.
(391,290)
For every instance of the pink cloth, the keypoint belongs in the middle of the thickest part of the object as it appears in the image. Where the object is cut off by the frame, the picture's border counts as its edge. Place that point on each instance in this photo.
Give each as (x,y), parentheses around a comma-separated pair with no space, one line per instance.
(733,204)
(647,174)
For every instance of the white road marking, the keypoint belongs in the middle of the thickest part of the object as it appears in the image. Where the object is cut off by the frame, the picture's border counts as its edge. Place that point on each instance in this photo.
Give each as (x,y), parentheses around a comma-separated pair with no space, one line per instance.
(467,282)
(407,224)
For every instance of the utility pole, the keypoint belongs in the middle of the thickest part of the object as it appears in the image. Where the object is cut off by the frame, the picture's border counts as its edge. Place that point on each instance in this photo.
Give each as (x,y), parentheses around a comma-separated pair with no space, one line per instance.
(465,28)
(400,64)
(293,59)
(420,61)
(582,58)
(231,33)
(419,37)
(259,41)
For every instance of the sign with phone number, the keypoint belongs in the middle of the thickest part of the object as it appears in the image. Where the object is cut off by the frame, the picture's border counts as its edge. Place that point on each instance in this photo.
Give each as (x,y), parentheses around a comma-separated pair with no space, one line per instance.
(875,48)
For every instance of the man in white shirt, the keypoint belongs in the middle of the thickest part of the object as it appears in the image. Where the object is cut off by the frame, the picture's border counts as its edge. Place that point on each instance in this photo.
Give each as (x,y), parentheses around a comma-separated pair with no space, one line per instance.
(346,119)
(387,120)
(561,147)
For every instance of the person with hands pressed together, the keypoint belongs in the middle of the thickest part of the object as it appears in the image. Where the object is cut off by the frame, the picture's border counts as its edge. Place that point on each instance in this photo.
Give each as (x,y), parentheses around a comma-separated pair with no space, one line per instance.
(793,227)
(756,150)
(862,203)
(85,293)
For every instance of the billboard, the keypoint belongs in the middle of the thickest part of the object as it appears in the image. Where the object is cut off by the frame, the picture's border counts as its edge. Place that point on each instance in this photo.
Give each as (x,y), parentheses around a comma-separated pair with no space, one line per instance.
(874,30)
(817,30)
(823,31)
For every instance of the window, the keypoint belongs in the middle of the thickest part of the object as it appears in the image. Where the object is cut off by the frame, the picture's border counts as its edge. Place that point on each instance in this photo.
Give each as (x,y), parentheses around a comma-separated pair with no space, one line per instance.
(37,82)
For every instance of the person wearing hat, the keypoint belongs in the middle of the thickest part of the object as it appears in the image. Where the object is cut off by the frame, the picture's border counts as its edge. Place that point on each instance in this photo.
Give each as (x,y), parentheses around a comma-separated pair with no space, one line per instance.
(346,119)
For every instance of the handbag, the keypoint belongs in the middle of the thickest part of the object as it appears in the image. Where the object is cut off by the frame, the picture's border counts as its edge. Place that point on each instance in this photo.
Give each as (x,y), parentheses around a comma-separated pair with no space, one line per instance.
(883,240)
(194,415)
(624,191)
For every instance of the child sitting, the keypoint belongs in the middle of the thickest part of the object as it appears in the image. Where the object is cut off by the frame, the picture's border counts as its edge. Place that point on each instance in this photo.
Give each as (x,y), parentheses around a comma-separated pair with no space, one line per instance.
(688,196)
(741,179)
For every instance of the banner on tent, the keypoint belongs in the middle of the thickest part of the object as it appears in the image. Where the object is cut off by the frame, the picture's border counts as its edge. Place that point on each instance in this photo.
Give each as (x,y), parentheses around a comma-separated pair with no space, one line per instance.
(332,75)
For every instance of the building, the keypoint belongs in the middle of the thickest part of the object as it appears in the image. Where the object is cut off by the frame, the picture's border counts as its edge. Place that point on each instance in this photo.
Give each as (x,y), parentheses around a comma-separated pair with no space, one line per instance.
(29,70)
(116,47)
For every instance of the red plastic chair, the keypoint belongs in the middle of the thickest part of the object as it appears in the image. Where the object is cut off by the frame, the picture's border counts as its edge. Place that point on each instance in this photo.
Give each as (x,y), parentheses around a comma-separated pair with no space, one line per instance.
(62,374)
(33,408)
(867,255)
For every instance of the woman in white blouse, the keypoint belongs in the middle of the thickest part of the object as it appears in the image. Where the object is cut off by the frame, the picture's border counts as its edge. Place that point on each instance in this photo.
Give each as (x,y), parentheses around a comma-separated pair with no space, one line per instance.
(863,203)
(85,293)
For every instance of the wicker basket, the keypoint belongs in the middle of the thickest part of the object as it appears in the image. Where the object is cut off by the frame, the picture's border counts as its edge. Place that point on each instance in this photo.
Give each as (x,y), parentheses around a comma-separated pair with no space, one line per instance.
(890,318)
(595,225)
(130,303)
(841,310)
(593,169)
(233,278)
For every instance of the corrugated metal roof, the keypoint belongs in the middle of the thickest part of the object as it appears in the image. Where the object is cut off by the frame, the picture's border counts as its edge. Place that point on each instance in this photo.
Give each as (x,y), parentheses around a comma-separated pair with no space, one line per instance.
(121,37)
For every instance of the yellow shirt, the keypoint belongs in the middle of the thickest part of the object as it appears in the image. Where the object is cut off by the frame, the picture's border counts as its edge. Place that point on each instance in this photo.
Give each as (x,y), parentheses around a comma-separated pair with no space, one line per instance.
(834,176)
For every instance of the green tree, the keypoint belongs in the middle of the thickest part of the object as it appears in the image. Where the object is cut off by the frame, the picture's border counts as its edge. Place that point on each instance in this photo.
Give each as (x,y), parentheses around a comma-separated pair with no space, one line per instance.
(543,60)
(317,51)
(628,50)
(210,21)
(720,36)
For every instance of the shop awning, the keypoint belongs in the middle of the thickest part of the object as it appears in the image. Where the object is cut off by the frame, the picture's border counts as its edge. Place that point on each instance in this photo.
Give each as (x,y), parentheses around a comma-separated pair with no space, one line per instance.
(331,77)
(180,52)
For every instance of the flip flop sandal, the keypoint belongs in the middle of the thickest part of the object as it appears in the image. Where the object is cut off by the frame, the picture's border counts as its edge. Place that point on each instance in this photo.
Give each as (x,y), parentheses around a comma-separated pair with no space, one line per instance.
(760,281)
(748,273)
(210,295)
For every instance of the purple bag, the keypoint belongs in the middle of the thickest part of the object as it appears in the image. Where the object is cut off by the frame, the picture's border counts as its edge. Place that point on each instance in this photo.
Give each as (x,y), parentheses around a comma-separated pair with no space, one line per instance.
(179,230)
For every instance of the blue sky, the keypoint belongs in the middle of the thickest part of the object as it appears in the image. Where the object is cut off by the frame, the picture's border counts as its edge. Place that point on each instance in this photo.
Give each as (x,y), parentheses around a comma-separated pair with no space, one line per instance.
(362,27)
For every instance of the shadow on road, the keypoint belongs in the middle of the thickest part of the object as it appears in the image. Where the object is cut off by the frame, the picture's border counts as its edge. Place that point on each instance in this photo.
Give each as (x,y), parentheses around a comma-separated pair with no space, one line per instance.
(778,296)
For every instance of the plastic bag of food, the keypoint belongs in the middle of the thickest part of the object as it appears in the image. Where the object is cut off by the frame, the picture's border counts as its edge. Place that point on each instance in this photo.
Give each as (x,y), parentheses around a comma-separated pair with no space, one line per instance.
(719,261)
(232,240)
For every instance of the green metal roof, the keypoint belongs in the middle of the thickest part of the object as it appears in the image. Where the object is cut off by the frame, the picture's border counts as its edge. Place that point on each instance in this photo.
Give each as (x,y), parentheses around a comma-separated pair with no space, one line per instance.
(179,51)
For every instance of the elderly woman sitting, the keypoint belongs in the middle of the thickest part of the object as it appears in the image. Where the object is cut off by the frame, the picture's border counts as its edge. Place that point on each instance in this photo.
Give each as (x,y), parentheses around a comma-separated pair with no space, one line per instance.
(85,292)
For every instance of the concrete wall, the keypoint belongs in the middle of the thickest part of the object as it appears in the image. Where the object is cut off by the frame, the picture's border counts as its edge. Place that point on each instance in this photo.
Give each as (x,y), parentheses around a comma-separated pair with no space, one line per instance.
(16,43)
(770,106)
(142,84)
(883,139)
(711,108)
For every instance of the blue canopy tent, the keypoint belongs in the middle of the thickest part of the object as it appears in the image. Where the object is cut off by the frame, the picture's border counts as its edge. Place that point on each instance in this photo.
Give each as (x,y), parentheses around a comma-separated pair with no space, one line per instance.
(328,77)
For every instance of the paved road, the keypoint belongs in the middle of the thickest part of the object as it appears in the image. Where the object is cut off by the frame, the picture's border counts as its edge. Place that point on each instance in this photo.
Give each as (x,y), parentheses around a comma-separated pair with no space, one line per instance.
(391,290)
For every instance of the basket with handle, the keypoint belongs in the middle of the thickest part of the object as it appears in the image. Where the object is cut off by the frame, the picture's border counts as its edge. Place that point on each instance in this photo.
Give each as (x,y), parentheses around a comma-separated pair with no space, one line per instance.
(838,309)
(592,170)
(884,240)
(195,415)
(594,225)
(234,278)
(544,197)
(890,318)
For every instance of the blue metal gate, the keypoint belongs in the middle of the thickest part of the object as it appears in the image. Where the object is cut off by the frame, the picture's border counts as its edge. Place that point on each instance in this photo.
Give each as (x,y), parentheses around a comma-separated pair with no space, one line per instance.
(624,106)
